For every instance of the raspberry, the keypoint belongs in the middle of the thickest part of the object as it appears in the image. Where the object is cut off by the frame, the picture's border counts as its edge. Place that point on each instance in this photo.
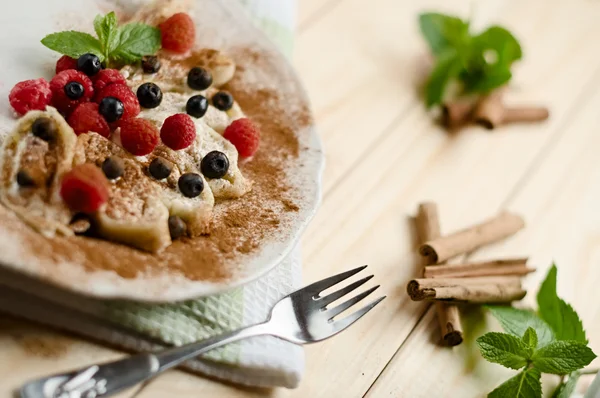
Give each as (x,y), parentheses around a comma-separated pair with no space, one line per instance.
(178,131)
(86,118)
(60,99)
(29,95)
(178,33)
(244,135)
(106,77)
(123,94)
(138,136)
(85,188)
(65,62)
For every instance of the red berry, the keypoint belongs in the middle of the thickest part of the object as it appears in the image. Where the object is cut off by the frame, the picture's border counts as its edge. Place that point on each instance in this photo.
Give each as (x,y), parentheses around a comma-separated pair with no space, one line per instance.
(244,135)
(106,77)
(86,118)
(58,84)
(178,131)
(65,62)
(85,188)
(178,33)
(139,136)
(123,94)
(29,95)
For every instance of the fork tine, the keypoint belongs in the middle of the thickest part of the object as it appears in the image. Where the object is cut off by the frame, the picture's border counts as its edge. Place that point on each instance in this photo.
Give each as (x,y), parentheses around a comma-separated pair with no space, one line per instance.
(349,303)
(342,292)
(323,284)
(342,324)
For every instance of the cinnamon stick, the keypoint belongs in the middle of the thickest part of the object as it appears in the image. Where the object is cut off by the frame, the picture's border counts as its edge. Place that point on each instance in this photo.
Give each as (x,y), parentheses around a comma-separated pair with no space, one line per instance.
(457,114)
(428,227)
(512,267)
(499,289)
(469,239)
(491,112)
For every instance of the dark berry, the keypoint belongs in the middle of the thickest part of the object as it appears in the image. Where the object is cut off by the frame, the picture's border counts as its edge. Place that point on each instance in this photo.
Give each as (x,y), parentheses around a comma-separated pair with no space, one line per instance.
(222,100)
(214,165)
(177,227)
(160,168)
(149,95)
(74,90)
(24,179)
(196,106)
(113,167)
(89,64)
(44,128)
(190,185)
(199,78)
(103,65)
(111,109)
(150,64)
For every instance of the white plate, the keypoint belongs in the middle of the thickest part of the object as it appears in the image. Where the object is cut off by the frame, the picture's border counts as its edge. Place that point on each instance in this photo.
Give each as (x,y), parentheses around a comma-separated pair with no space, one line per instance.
(222,25)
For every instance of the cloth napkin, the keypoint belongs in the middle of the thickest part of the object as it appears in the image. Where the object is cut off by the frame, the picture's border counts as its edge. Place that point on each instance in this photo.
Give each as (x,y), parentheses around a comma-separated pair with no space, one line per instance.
(259,361)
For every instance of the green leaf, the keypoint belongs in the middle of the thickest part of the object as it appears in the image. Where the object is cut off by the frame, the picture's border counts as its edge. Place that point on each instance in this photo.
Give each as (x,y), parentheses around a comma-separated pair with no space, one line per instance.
(530,338)
(562,357)
(505,349)
(135,41)
(501,42)
(107,31)
(565,389)
(442,31)
(488,79)
(74,44)
(448,67)
(561,317)
(516,322)
(526,384)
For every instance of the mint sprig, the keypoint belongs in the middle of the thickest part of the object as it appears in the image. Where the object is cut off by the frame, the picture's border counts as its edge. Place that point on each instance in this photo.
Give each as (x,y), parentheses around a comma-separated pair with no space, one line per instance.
(551,341)
(114,44)
(478,62)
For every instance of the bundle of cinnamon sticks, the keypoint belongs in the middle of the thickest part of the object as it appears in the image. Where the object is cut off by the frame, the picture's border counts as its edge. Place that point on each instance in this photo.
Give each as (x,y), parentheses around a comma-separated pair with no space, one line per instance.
(493,281)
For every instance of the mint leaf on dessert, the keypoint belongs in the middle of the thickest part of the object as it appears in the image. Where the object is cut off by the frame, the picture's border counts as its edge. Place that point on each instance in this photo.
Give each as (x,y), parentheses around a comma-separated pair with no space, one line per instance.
(448,67)
(74,44)
(524,385)
(561,317)
(504,349)
(135,41)
(516,322)
(530,338)
(442,31)
(563,357)
(566,388)
(107,30)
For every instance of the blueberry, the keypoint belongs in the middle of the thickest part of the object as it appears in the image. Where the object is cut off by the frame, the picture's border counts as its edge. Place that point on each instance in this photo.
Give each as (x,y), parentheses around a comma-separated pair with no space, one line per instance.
(199,78)
(89,64)
(190,185)
(160,168)
(111,108)
(149,95)
(113,167)
(24,179)
(222,100)
(177,227)
(214,165)
(44,128)
(74,90)
(196,106)
(150,64)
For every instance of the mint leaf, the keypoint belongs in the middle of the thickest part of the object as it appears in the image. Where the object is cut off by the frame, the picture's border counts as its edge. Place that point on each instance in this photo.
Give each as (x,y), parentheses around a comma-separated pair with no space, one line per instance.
(500,41)
(562,357)
(516,322)
(561,317)
(448,66)
(565,389)
(530,338)
(135,41)
(74,44)
(107,31)
(526,384)
(442,31)
(505,349)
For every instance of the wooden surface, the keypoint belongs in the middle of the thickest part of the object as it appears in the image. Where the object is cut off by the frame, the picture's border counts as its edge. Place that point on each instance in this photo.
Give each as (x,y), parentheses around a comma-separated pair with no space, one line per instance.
(361,61)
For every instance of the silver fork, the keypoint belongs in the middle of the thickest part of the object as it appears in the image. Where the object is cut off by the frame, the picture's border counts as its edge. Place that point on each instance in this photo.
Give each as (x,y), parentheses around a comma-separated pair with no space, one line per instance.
(302,317)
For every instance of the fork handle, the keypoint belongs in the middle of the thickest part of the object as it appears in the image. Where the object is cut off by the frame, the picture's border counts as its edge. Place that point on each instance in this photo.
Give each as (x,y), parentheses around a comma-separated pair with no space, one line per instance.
(110,378)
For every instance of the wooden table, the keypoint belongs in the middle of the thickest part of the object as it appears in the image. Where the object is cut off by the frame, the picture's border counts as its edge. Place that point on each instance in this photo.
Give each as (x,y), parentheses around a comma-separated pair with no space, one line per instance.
(360,61)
